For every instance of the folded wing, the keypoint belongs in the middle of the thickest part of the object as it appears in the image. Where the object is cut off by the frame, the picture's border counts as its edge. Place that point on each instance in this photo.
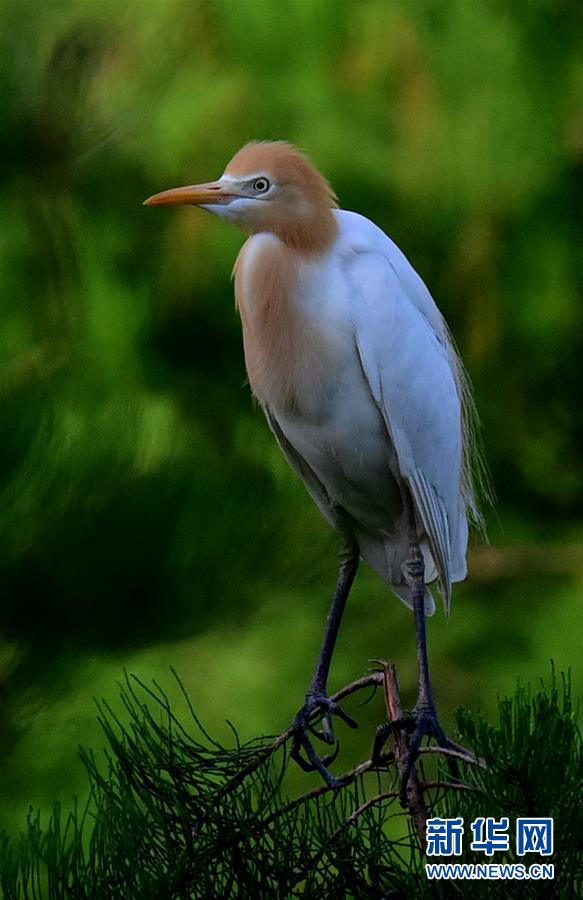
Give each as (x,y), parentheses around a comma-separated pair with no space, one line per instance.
(409,365)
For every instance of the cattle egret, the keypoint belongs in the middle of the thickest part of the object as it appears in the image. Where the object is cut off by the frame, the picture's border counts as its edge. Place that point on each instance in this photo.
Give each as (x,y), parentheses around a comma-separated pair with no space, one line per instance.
(357,375)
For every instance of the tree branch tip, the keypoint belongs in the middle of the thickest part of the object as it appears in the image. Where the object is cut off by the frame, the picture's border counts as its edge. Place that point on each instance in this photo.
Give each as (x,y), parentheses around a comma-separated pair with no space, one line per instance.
(469,758)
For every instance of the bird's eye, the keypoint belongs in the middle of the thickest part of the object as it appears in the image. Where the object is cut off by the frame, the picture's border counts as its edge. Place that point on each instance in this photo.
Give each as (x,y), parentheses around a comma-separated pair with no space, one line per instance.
(260,185)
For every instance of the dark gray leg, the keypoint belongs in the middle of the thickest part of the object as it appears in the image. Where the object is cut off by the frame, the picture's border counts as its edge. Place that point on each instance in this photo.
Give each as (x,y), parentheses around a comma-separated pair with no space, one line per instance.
(416,570)
(316,697)
(416,574)
(425,718)
(348,566)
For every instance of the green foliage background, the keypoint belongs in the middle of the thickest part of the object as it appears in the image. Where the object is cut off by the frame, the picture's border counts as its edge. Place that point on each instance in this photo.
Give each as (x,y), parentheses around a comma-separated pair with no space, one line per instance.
(146,516)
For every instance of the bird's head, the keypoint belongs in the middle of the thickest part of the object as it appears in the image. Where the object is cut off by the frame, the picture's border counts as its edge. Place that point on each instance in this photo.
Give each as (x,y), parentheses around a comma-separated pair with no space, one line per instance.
(267,187)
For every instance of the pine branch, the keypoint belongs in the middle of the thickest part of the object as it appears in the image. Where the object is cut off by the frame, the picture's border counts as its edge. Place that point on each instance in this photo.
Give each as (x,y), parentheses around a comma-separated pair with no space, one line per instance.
(174,813)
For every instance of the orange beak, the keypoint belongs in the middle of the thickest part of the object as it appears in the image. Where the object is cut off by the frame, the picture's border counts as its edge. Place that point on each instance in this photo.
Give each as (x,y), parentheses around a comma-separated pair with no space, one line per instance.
(193,195)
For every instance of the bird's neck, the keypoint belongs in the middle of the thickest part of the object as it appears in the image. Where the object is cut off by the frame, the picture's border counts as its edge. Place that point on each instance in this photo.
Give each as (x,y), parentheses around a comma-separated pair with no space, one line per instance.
(286,355)
(310,235)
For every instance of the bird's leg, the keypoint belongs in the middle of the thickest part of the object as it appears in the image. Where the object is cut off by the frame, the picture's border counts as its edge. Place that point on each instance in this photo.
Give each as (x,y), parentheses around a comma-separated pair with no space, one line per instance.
(416,573)
(316,697)
(423,721)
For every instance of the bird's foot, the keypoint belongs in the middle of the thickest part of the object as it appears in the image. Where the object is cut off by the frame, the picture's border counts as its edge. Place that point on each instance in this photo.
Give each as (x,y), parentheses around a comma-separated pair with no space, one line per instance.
(318,705)
(421,722)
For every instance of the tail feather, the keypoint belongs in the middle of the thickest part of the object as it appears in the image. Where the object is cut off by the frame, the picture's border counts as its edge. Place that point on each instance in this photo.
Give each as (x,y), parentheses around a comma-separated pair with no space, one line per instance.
(387,558)
(404,593)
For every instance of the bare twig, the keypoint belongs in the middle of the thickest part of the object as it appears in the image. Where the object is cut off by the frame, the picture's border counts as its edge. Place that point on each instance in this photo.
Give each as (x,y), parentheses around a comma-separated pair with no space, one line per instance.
(467,757)
(492,563)
(447,785)
(415,802)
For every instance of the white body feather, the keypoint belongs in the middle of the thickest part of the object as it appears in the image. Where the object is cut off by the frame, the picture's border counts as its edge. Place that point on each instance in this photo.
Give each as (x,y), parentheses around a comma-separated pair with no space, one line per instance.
(386,409)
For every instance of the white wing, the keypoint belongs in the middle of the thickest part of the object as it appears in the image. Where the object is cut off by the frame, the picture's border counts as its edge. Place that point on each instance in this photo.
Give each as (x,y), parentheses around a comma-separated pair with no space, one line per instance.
(410,366)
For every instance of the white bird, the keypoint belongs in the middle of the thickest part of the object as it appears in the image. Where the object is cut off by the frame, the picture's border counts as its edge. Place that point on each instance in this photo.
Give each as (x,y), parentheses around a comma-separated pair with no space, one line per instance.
(356,372)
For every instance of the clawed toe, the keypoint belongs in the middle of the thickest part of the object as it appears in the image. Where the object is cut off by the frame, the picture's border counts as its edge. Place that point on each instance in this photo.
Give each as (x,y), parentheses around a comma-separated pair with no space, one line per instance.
(315,705)
(313,762)
(384,731)
(426,724)
(420,723)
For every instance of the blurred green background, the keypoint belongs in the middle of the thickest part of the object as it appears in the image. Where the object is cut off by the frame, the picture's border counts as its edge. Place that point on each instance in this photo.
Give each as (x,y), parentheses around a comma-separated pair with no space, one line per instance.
(146,515)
